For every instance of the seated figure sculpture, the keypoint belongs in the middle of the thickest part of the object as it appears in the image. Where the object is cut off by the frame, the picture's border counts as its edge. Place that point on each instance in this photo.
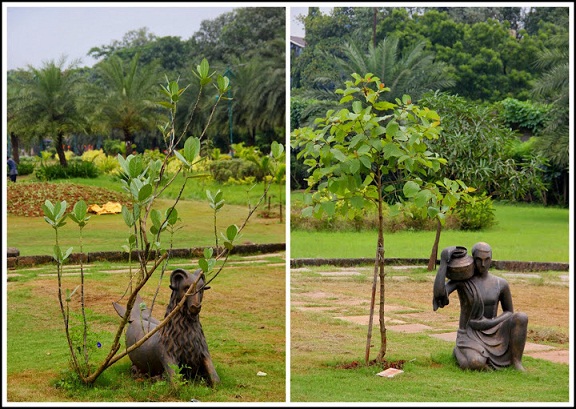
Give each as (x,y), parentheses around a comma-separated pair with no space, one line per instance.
(485,340)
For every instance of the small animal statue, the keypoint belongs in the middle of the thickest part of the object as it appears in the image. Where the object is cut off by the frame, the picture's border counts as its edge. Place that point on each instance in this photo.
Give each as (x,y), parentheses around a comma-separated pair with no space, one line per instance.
(181,342)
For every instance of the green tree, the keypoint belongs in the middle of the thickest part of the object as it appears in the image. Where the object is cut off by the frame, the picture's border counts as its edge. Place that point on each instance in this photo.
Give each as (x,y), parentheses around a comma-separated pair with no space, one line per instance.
(553,88)
(16,119)
(49,102)
(123,97)
(351,153)
(259,88)
(133,39)
(479,148)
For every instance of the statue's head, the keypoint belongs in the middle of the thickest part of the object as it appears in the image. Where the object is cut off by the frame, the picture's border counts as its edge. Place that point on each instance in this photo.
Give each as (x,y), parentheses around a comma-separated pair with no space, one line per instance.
(482,254)
(181,281)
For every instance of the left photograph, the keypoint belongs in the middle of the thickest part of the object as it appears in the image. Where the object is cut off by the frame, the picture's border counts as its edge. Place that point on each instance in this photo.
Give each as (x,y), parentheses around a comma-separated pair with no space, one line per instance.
(144,203)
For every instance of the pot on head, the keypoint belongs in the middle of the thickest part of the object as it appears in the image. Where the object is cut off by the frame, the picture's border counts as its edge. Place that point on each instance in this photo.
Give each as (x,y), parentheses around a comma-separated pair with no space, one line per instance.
(461,265)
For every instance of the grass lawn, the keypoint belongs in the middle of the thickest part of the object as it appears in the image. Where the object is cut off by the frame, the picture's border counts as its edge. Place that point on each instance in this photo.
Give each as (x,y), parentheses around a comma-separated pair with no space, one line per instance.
(243,318)
(108,232)
(522,233)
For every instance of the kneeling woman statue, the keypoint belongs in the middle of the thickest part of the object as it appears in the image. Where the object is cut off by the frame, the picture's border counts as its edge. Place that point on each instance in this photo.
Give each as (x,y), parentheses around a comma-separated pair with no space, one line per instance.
(485,340)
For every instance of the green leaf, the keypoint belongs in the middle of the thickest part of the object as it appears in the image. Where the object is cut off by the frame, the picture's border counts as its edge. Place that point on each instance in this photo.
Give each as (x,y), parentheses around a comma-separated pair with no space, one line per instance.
(208,252)
(191,149)
(433,212)
(339,155)
(145,192)
(182,158)
(277,149)
(366,161)
(127,216)
(223,84)
(357,202)
(67,254)
(410,188)
(307,211)
(80,209)
(171,216)
(203,265)
(156,216)
(329,207)
(203,72)
(384,105)
(392,129)
(48,208)
(135,166)
(231,232)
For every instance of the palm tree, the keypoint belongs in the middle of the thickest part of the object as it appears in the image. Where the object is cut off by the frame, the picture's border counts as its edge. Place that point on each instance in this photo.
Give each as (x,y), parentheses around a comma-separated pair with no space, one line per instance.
(48,102)
(552,87)
(414,72)
(124,97)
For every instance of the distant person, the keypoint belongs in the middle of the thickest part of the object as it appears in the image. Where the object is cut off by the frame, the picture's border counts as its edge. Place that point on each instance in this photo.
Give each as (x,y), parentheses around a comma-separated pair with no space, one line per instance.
(485,340)
(12,169)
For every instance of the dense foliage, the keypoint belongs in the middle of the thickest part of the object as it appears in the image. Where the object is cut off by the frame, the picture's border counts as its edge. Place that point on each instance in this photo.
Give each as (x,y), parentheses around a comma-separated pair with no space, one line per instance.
(509,64)
(61,104)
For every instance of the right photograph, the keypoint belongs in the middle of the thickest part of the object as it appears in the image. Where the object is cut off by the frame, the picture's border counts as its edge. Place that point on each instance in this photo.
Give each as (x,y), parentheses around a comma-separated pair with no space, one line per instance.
(430,217)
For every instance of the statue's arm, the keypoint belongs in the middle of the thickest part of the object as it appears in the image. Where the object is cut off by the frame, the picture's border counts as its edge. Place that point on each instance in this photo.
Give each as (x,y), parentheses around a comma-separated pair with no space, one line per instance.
(506,297)
(441,294)
(487,323)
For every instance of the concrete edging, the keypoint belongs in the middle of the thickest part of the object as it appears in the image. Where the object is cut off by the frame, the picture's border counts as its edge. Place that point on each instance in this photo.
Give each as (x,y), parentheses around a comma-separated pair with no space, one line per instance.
(15,260)
(522,266)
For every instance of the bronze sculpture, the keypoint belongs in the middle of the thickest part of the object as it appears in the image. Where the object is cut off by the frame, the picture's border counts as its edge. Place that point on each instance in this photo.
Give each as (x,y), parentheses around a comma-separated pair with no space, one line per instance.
(181,342)
(485,340)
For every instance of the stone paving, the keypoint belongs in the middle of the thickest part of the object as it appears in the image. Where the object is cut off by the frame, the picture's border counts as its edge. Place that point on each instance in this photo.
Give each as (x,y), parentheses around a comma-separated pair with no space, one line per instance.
(534,350)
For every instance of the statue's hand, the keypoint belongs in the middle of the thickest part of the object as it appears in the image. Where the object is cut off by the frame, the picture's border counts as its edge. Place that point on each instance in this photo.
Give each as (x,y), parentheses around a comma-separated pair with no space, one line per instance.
(440,301)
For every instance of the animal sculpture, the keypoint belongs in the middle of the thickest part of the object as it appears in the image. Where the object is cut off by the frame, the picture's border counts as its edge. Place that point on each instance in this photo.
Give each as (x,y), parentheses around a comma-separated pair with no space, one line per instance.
(181,342)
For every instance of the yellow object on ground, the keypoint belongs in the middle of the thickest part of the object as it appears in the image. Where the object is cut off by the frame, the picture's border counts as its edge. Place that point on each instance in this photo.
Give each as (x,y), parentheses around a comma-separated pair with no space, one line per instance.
(108,208)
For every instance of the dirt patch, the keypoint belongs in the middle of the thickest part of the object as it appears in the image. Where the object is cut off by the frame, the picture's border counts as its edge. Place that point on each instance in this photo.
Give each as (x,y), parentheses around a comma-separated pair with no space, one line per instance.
(380,364)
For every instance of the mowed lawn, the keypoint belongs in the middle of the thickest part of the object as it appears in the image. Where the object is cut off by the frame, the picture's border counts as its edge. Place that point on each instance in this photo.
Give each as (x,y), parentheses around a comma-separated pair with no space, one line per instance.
(522,233)
(108,232)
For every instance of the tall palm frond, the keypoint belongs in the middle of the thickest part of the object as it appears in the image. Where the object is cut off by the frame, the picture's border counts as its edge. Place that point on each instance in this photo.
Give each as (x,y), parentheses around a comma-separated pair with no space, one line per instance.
(48,100)
(125,97)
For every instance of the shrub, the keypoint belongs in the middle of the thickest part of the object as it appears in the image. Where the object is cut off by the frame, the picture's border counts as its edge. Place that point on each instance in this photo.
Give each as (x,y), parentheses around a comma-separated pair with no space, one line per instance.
(75,169)
(476,215)
(223,170)
(113,147)
(26,166)
(523,114)
(105,164)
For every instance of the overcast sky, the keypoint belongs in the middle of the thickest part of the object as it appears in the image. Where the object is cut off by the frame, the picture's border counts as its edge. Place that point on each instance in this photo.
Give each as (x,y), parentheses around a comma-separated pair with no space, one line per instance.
(38,32)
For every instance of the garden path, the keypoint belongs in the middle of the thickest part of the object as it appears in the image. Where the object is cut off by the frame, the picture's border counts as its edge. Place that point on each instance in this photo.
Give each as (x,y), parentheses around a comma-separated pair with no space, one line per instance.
(407,319)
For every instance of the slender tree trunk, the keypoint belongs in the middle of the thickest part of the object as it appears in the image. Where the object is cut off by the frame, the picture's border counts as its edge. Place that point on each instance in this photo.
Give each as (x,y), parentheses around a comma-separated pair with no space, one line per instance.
(15,143)
(378,273)
(60,149)
(434,253)
(372,302)
(380,261)
(128,141)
